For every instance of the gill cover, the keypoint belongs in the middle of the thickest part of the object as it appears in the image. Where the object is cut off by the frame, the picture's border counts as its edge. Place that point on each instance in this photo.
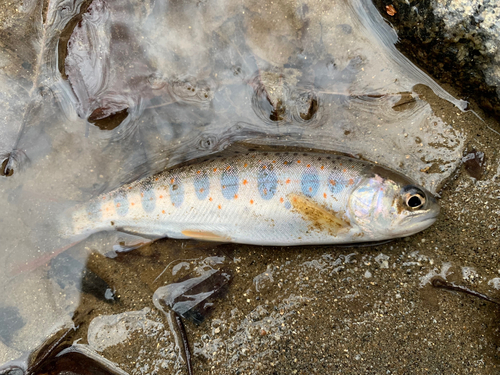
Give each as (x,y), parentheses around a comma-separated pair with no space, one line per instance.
(370,204)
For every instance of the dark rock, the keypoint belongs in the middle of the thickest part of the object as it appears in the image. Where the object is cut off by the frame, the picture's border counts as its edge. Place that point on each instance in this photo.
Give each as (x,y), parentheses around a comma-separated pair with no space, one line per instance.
(457,42)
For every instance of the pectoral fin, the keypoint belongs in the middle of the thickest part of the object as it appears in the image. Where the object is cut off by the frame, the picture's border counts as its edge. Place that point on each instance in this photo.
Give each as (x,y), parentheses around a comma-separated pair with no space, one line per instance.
(204,235)
(319,217)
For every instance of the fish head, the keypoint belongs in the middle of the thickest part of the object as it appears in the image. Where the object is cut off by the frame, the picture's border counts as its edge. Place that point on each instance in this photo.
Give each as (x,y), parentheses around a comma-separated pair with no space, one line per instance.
(390,205)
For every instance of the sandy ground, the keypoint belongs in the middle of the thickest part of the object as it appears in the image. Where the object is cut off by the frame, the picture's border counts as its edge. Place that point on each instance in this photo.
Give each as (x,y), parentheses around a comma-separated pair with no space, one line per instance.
(328,309)
(321,309)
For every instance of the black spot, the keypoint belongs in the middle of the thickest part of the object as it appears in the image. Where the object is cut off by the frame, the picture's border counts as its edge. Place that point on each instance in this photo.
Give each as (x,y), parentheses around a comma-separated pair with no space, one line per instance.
(414,201)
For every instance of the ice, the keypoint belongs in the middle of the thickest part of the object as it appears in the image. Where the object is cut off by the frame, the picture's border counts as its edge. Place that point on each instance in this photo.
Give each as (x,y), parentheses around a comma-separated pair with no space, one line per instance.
(95,94)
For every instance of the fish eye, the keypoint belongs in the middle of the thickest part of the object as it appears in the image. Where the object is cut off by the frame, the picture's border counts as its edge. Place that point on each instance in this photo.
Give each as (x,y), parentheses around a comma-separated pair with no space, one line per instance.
(415,201)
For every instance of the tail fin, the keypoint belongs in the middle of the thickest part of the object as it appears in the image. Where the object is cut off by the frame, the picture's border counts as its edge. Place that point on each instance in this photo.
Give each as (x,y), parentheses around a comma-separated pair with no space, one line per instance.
(40,261)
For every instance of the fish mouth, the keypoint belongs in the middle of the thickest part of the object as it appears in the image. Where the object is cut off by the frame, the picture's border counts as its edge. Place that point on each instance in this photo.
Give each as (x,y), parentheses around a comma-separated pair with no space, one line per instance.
(419,222)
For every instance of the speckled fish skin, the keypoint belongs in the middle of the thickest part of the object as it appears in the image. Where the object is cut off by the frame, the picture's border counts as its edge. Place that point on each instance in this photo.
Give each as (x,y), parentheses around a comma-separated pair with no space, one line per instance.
(265,198)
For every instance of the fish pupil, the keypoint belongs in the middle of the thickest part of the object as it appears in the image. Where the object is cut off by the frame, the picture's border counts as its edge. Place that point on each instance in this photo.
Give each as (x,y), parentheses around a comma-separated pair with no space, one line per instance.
(414,201)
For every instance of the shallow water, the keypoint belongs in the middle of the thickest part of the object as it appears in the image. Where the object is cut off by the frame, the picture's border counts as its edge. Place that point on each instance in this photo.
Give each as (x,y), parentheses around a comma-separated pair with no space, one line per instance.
(95,94)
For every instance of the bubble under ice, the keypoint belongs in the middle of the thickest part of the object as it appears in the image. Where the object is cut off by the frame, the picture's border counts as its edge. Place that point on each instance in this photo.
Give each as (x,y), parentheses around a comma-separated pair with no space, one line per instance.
(189,83)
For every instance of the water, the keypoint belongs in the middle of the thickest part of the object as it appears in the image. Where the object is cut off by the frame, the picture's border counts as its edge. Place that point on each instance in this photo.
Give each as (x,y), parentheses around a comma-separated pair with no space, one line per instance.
(96,94)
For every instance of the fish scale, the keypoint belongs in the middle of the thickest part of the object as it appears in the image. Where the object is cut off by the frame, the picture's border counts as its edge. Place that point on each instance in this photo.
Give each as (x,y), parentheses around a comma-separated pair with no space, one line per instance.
(277,198)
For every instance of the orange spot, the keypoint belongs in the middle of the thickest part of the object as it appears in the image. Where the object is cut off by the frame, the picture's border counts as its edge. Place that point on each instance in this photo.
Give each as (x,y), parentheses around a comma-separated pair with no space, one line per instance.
(142,194)
(198,172)
(103,197)
(285,162)
(282,200)
(118,205)
(132,204)
(107,209)
(324,195)
(308,165)
(298,161)
(219,207)
(310,189)
(294,198)
(235,196)
(288,181)
(172,181)
(228,167)
(322,167)
(344,170)
(202,190)
(215,169)
(156,179)
(223,186)
(130,187)
(340,164)
(245,182)
(161,196)
(210,199)
(333,183)
(251,201)
(162,211)
(351,181)
(245,165)
(274,161)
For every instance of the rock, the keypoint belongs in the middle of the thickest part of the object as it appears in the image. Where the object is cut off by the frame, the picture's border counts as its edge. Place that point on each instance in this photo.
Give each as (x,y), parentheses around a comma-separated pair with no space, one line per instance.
(456,41)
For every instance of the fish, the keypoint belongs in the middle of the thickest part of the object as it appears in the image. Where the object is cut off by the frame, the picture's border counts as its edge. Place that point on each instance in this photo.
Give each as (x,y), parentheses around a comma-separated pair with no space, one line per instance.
(263,198)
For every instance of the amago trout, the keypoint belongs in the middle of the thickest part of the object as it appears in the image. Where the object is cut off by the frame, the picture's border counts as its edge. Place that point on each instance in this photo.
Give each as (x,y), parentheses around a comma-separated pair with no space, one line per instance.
(264,198)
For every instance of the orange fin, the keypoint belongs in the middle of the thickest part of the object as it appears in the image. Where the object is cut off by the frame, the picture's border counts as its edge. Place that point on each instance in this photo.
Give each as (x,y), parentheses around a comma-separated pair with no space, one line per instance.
(205,235)
(320,218)
(40,261)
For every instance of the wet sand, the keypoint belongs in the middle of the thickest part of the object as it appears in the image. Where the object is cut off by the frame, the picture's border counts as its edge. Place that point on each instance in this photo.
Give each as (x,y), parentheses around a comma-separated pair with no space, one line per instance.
(315,309)
(332,309)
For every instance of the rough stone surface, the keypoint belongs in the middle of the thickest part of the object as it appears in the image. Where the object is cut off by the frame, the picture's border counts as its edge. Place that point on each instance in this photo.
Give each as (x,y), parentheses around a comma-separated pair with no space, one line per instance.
(457,41)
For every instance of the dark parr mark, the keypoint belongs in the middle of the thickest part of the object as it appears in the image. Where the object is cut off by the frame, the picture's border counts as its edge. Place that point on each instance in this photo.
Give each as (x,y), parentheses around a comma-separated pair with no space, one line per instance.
(229,182)
(148,198)
(267,181)
(121,203)
(201,185)
(176,188)
(310,182)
